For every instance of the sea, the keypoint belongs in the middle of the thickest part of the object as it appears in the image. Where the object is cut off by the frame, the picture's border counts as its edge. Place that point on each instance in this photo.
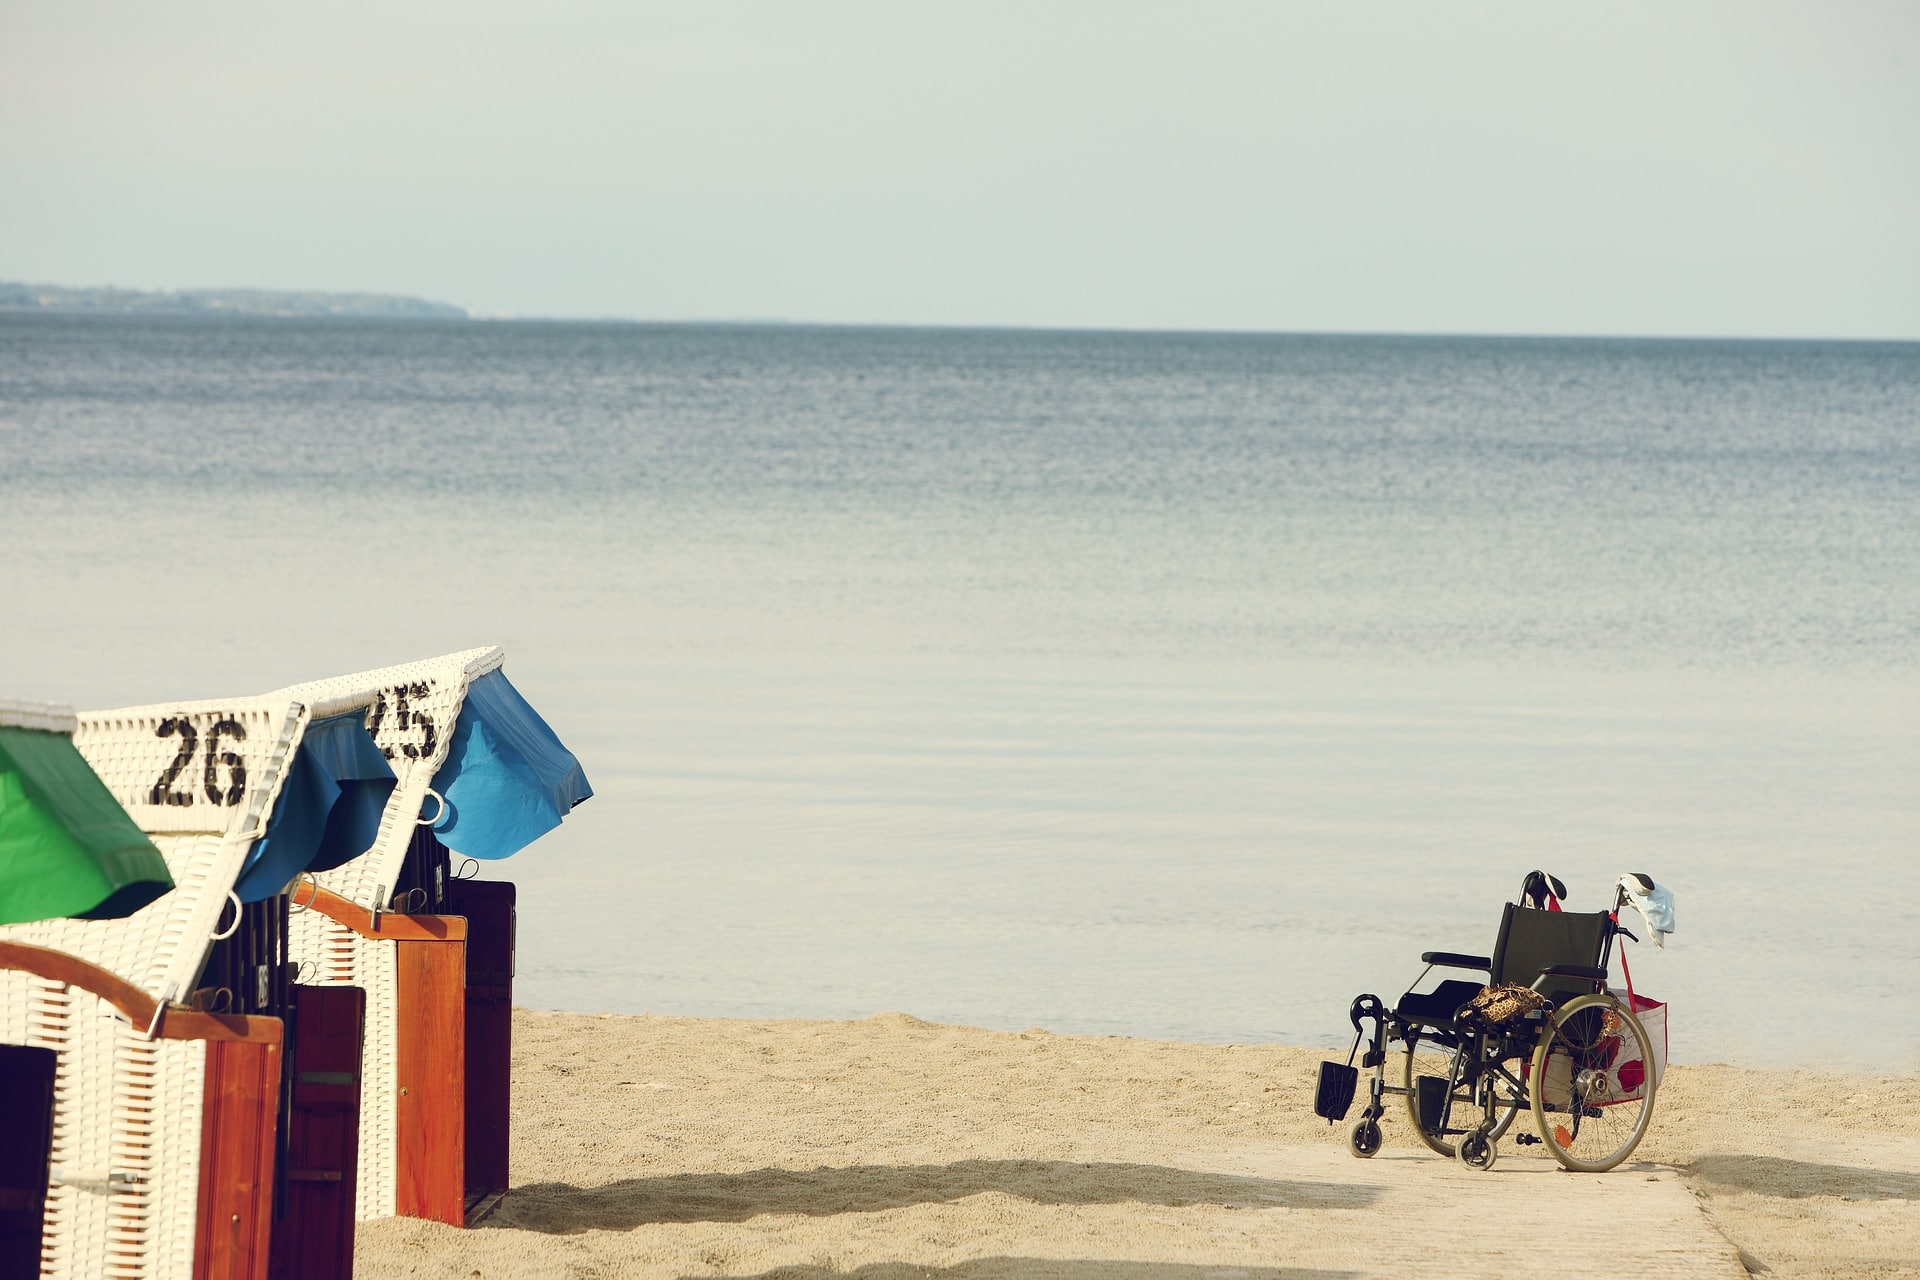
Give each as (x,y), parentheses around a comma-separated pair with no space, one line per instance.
(1172,685)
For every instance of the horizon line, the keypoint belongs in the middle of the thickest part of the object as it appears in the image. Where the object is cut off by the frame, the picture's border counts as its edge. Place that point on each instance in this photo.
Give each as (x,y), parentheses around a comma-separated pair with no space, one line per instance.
(776,322)
(773,322)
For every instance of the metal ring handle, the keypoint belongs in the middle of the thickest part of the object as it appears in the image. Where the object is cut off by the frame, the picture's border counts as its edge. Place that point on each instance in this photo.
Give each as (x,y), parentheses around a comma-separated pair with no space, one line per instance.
(235,926)
(438,814)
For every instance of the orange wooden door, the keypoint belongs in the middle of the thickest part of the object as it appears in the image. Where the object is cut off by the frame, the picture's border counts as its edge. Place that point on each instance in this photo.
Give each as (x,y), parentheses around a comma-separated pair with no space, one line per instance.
(430,1113)
(237,1139)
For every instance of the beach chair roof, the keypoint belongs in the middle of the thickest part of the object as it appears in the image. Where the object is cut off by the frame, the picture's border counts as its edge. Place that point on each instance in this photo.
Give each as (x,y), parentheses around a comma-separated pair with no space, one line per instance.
(452,726)
(199,778)
(238,796)
(67,847)
(507,780)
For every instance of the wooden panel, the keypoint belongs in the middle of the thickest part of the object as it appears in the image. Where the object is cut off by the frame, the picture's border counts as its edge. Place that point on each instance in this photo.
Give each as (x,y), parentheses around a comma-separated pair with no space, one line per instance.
(488,906)
(26,1143)
(430,1113)
(313,1235)
(388,925)
(175,1022)
(236,1159)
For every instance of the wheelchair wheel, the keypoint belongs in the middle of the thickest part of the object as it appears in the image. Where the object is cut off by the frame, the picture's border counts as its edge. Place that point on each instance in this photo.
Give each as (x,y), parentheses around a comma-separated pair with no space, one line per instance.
(1590,1087)
(1364,1138)
(1477,1150)
(1439,1060)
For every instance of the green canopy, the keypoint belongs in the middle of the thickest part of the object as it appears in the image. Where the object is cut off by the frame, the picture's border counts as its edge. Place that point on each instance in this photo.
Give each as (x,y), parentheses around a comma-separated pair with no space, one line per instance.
(67,848)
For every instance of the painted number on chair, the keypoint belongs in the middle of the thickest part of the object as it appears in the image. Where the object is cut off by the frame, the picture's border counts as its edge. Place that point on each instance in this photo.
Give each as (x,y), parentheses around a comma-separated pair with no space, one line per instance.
(399,728)
(222,778)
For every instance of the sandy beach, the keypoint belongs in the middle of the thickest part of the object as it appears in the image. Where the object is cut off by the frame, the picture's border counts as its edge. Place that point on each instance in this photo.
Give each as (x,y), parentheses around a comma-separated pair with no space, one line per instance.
(651,1146)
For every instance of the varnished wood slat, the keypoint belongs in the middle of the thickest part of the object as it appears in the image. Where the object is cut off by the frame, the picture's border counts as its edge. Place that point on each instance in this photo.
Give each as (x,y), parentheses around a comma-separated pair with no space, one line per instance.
(430,1113)
(392,925)
(236,1161)
(135,1005)
(313,1240)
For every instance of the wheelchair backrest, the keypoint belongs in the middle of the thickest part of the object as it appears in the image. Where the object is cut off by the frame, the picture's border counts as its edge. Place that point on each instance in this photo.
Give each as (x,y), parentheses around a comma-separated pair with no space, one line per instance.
(1531,940)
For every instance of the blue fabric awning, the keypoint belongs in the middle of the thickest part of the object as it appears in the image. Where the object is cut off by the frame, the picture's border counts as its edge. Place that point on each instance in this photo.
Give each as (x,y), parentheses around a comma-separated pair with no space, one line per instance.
(507,779)
(328,811)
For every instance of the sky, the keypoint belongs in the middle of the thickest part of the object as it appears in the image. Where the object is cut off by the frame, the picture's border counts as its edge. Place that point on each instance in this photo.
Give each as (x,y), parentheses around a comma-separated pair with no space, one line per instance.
(1678,168)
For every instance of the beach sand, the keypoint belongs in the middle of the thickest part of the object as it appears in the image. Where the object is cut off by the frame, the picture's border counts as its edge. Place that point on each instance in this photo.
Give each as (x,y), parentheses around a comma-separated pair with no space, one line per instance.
(652,1146)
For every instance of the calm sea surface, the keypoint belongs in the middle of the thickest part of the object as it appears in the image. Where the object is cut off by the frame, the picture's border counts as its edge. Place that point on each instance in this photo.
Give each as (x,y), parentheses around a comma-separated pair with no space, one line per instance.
(1162,685)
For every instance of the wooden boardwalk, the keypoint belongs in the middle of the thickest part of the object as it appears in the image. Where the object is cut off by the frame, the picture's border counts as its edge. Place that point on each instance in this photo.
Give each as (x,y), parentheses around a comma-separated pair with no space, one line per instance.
(1414,1214)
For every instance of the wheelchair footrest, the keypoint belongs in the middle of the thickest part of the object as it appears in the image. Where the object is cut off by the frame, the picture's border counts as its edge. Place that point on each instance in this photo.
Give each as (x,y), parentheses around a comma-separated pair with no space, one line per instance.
(1335,1094)
(1430,1094)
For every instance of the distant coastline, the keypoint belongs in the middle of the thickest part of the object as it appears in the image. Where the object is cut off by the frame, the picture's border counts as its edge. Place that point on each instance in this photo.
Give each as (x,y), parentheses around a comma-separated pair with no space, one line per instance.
(15,296)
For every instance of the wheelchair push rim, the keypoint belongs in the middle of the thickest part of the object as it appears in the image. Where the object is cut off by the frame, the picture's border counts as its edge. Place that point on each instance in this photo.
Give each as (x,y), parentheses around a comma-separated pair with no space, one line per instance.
(1466,1114)
(1590,1104)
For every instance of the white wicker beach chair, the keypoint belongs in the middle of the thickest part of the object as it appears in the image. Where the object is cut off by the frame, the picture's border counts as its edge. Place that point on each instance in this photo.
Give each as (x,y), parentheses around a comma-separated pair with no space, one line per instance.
(411,1128)
(142,1175)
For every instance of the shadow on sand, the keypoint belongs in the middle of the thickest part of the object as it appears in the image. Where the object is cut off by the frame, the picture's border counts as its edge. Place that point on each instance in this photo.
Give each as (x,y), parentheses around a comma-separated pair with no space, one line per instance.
(561,1209)
(1796,1179)
(1053,1269)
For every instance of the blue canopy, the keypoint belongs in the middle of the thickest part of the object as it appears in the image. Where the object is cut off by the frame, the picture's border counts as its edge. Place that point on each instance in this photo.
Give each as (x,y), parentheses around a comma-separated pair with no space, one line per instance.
(328,811)
(507,779)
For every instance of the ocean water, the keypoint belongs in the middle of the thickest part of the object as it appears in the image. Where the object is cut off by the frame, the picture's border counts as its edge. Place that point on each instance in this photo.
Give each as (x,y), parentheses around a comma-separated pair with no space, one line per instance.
(1162,685)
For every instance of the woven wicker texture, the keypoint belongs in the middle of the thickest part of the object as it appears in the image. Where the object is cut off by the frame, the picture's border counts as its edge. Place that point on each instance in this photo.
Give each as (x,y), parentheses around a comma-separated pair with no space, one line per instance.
(126,1135)
(411,711)
(216,769)
(48,717)
(201,779)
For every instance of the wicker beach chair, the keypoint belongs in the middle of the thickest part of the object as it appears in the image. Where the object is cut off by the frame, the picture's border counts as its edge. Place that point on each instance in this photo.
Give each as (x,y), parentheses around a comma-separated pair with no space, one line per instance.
(164,1117)
(139,1086)
(412,964)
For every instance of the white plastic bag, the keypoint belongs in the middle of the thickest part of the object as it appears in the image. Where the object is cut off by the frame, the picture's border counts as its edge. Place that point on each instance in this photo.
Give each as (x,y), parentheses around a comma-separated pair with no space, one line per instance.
(1629,1072)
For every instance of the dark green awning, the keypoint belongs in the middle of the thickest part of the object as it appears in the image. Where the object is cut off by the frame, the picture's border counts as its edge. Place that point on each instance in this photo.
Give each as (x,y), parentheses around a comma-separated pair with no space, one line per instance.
(67,848)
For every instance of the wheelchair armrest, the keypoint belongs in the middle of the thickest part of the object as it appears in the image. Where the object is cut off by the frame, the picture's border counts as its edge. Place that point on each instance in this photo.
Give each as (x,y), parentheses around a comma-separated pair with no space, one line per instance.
(1454,960)
(1591,972)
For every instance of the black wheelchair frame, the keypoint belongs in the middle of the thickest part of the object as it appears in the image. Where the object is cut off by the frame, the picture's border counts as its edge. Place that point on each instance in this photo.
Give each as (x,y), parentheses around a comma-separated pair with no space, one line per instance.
(1589,1114)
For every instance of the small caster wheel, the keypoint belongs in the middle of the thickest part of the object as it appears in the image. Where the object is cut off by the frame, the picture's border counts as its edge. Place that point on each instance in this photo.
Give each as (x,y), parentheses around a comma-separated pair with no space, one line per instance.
(1364,1138)
(1476,1150)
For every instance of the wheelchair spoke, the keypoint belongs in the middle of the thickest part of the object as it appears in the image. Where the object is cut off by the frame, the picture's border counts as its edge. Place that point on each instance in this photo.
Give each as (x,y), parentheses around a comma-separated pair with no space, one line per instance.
(1590,1084)
(1469,1097)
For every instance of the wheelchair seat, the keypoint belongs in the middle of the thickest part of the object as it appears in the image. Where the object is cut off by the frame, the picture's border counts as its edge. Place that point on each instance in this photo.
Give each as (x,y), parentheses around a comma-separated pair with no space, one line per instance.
(1529,942)
(1436,1008)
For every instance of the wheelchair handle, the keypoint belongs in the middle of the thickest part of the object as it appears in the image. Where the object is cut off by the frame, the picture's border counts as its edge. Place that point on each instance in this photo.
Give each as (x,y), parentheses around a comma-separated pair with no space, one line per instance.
(1363,1007)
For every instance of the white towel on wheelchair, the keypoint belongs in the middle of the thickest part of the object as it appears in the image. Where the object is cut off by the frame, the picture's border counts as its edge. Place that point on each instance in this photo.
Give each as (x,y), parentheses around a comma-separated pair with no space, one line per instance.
(1653,901)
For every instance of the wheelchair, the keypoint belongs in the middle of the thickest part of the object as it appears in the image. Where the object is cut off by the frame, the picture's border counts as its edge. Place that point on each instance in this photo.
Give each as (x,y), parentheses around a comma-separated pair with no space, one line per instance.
(1471,1059)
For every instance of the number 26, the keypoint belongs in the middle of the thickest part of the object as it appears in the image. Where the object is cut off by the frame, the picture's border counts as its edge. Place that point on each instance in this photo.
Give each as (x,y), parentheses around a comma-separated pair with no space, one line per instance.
(215,759)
